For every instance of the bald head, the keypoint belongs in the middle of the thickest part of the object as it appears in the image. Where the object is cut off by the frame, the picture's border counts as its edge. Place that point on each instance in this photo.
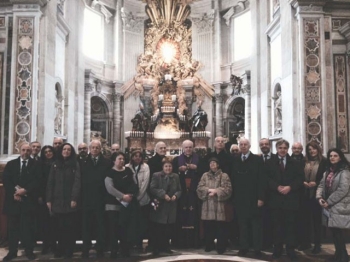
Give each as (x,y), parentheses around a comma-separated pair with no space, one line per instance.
(115,148)
(83,149)
(25,151)
(297,148)
(219,143)
(160,148)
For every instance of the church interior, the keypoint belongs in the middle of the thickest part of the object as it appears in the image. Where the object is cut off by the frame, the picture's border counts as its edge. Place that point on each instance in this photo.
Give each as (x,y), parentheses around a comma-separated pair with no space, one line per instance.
(136,72)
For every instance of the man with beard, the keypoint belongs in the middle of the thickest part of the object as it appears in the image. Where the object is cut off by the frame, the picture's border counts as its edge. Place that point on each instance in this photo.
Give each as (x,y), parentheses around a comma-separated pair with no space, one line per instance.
(93,173)
(57,143)
(21,181)
(265,148)
(82,152)
(188,209)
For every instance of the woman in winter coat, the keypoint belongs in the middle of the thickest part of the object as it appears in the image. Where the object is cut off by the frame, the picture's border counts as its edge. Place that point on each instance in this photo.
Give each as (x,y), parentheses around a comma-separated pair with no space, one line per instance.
(311,211)
(214,189)
(62,194)
(333,194)
(165,189)
(141,178)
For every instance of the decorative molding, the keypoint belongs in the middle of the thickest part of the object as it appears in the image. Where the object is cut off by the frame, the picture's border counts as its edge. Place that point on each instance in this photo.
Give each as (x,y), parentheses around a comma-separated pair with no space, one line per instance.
(345,31)
(63,26)
(60,7)
(313,78)
(204,22)
(29,2)
(342,116)
(228,15)
(131,22)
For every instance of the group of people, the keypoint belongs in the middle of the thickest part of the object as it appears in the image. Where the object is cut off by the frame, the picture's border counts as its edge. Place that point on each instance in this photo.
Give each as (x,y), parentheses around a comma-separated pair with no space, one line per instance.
(259,200)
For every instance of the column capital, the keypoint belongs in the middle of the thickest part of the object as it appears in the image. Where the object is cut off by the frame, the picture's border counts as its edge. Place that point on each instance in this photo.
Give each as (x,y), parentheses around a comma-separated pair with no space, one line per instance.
(117,97)
(30,2)
(219,98)
(88,87)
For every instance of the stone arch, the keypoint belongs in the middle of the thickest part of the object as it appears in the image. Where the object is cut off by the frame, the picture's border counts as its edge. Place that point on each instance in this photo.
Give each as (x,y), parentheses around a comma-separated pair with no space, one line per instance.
(107,102)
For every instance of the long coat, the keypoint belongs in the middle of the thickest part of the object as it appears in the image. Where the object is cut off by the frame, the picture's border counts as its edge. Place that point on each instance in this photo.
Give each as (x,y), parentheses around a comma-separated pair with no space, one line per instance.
(142,180)
(63,186)
(338,200)
(249,184)
(29,181)
(161,185)
(213,208)
(292,176)
(93,176)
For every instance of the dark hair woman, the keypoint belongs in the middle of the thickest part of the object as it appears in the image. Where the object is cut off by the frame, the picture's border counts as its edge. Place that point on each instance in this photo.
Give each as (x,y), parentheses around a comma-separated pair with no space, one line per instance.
(166,189)
(46,227)
(62,194)
(311,213)
(214,189)
(121,205)
(333,194)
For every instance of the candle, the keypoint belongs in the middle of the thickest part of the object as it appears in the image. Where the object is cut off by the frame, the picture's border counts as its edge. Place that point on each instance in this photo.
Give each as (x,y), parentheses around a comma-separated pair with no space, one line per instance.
(173,98)
(160,97)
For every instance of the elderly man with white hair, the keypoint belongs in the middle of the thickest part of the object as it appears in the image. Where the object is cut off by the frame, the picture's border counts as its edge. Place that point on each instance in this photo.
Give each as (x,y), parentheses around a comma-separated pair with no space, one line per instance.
(155,163)
(93,173)
(249,185)
(186,165)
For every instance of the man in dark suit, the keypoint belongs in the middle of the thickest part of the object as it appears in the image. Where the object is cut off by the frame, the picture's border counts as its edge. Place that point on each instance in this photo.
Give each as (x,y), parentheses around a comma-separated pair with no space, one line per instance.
(155,163)
(266,154)
(265,148)
(21,181)
(285,178)
(249,192)
(36,148)
(93,173)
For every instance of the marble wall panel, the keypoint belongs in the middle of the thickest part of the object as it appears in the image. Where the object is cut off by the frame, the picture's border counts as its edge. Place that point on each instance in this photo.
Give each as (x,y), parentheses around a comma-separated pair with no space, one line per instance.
(342,118)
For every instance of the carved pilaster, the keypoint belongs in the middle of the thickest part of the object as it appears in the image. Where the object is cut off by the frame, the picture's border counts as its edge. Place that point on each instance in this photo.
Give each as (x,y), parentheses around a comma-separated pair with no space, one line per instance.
(117,117)
(87,111)
(218,114)
(25,67)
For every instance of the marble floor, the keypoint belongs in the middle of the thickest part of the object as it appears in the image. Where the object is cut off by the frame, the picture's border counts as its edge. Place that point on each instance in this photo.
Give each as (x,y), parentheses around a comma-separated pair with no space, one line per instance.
(184,255)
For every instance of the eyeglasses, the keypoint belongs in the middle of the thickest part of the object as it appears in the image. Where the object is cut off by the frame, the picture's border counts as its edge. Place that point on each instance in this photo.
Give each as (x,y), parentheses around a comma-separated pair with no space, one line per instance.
(82,148)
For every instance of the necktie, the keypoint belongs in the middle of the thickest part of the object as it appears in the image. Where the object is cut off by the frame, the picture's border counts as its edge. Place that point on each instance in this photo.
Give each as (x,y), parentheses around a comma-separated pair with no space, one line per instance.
(24,167)
(95,161)
(244,158)
(265,158)
(281,165)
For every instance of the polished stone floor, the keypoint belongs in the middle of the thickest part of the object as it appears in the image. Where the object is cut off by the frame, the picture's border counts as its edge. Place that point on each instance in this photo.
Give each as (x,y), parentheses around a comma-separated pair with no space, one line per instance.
(184,255)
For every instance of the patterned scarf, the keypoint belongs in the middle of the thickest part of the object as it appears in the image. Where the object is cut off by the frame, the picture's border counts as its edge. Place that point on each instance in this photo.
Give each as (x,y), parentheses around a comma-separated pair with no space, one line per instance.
(329,179)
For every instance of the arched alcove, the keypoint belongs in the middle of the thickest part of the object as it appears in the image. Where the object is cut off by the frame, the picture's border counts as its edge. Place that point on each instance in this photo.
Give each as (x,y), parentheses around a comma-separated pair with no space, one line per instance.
(235,120)
(100,118)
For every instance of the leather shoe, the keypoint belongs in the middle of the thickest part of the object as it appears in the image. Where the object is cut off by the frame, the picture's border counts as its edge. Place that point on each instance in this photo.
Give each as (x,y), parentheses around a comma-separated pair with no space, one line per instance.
(292,255)
(9,257)
(258,254)
(242,252)
(304,247)
(30,255)
(221,251)
(276,255)
(316,249)
(168,251)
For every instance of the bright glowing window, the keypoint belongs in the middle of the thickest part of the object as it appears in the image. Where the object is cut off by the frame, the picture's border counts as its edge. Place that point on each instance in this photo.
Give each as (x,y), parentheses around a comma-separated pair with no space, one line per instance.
(242,36)
(93,35)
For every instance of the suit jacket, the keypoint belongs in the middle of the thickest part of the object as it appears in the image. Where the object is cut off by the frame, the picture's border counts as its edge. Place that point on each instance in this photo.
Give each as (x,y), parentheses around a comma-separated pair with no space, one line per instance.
(292,176)
(93,182)
(249,184)
(29,181)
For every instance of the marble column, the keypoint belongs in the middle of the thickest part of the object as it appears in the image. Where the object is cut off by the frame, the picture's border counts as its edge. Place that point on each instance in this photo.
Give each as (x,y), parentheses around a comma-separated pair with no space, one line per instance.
(24,73)
(87,112)
(218,115)
(247,104)
(116,118)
